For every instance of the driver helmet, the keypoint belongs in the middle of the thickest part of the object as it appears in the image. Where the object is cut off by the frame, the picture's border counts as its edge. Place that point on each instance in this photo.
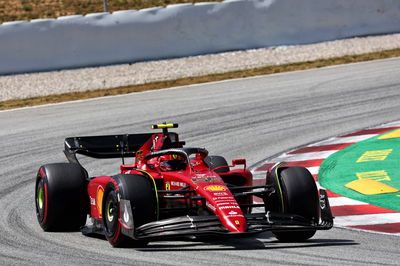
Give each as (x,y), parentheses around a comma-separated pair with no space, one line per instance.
(172,163)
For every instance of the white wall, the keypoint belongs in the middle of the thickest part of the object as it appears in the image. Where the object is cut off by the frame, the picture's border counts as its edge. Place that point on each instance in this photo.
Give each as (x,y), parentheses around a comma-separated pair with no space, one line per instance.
(184,30)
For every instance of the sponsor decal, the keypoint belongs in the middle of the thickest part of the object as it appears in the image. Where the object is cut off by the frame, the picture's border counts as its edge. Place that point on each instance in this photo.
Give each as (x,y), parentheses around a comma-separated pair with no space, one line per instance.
(237,222)
(200,176)
(126,219)
(230,202)
(222,198)
(220,194)
(154,146)
(174,183)
(99,199)
(178,184)
(225,199)
(215,188)
(206,179)
(322,201)
(126,215)
(195,163)
(92,201)
(229,207)
(209,205)
(234,214)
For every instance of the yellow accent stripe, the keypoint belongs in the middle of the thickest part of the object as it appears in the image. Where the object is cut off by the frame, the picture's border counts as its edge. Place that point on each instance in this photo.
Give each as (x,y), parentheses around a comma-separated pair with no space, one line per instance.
(279,186)
(155,189)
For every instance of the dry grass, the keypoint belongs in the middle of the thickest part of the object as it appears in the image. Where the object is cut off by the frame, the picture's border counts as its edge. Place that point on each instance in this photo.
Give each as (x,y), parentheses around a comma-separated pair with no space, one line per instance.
(193,80)
(11,10)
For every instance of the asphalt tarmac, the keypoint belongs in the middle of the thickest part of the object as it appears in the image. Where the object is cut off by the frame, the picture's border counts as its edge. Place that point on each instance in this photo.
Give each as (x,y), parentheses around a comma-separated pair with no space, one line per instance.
(250,118)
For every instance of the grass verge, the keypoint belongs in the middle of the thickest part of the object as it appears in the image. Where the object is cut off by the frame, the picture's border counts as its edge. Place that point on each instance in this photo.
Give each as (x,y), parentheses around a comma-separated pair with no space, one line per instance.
(17,103)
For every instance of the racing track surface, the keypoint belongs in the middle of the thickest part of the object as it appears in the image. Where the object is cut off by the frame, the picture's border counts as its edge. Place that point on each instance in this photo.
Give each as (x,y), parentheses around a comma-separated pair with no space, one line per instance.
(253,118)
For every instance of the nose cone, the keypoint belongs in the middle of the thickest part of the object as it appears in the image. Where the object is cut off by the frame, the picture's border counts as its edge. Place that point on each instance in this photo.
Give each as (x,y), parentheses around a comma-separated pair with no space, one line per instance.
(221,201)
(236,224)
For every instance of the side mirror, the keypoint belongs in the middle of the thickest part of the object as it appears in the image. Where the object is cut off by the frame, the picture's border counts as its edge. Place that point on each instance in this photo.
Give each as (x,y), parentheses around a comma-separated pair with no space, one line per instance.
(239,162)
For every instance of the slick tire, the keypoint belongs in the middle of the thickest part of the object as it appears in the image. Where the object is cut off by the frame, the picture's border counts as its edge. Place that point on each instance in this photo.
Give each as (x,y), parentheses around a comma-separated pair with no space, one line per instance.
(139,190)
(61,197)
(300,196)
(217,161)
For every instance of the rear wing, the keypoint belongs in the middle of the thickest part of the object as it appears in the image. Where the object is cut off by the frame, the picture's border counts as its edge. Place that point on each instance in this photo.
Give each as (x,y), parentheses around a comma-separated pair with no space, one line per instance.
(111,146)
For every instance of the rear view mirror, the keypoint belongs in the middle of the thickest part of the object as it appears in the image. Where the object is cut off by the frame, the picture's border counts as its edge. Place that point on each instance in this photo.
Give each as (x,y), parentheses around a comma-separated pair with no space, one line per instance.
(239,161)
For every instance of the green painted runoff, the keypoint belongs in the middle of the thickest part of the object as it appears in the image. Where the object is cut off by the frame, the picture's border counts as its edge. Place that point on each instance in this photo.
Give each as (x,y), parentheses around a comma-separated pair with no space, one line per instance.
(374,158)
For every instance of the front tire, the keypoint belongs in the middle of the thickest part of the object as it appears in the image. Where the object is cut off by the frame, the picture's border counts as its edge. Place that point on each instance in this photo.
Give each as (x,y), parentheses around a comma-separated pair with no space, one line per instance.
(61,198)
(296,194)
(139,190)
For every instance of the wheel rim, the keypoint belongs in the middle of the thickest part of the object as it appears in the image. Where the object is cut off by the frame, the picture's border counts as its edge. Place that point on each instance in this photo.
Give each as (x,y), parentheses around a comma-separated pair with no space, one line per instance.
(40,198)
(110,211)
(40,201)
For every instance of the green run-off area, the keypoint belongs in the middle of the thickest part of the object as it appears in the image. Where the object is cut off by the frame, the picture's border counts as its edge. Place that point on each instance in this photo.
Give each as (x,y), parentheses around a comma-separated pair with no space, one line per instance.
(377,159)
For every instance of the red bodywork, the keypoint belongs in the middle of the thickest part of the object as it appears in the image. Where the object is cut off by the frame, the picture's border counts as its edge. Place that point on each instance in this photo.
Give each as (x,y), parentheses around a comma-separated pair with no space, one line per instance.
(196,176)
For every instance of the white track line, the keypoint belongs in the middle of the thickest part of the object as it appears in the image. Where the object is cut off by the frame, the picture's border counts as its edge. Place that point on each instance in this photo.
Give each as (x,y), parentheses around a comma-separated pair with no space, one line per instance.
(343,140)
(343,201)
(313,170)
(303,156)
(367,219)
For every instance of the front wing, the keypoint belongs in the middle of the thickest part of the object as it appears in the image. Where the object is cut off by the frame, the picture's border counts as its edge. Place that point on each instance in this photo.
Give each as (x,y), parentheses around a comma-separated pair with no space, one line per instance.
(211,225)
(184,226)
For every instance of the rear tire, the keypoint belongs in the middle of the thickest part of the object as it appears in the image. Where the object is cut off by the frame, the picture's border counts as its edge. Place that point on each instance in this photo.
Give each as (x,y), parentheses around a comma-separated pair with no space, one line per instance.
(61,197)
(300,196)
(217,161)
(140,191)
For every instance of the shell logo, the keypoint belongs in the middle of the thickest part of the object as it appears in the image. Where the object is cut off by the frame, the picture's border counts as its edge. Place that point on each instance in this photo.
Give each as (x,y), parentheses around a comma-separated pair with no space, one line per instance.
(99,199)
(215,188)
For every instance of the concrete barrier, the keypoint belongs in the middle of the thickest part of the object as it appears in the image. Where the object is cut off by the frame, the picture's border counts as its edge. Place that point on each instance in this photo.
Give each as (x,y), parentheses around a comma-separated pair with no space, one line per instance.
(185,30)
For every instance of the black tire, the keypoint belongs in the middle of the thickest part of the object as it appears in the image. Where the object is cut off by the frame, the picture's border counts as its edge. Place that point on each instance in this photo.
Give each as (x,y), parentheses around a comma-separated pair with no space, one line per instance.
(61,197)
(300,196)
(217,161)
(141,193)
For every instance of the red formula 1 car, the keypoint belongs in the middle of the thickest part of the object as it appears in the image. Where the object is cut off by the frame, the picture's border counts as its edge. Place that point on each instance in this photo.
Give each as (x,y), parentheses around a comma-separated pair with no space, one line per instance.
(171,191)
